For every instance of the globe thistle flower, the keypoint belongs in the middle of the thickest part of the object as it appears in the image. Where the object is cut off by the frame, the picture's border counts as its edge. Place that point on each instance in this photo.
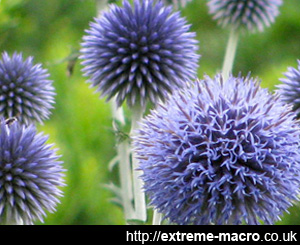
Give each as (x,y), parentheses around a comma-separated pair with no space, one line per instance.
(30,175)
(139,53)
(290,89)
(25,91)
(221,154)
(177,3)
(249,14)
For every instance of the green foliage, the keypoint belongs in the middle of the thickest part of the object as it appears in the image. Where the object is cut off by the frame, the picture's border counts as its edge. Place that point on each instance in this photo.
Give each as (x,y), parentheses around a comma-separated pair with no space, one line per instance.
(81,124)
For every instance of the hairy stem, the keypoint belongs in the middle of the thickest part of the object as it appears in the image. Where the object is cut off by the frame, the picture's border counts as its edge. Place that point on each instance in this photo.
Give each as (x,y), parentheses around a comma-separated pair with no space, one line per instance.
(12,222)
(139,195)
(230,54)
(157,217)
(125,171)
(101,5)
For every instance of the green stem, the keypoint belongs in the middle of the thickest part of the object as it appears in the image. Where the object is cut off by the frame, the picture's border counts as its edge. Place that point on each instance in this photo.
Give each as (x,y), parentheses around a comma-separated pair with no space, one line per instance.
(10,222)
(139,195)
(230,54)
(157,217)
(123,151)
(101,5)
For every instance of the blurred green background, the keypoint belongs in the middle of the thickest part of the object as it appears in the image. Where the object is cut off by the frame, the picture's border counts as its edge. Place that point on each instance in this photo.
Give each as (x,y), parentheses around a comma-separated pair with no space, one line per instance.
(80,126)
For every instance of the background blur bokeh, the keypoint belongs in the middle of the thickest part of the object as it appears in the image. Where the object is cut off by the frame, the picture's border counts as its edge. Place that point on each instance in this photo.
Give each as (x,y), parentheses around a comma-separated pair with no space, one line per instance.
(80,126)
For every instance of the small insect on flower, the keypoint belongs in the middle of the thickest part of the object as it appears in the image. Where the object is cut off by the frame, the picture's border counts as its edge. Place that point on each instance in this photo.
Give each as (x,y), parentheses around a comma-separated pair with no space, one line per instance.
(139,53)
(220,153)
(249,14)
(25,91)
(10,120)
(30,174)
(290,88)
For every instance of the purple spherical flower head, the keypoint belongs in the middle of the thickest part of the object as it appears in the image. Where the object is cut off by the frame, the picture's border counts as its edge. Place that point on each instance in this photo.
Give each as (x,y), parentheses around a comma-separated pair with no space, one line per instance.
(30,175)
(220,154)
(290,89)
(139,53)
(249,14)
(25,91)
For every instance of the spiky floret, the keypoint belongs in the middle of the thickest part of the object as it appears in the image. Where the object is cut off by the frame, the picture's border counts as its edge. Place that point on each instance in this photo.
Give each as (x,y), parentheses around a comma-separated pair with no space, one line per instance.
(249,14)
(290,88)
(139,53)
(30,175)
(25,91)
(220,154)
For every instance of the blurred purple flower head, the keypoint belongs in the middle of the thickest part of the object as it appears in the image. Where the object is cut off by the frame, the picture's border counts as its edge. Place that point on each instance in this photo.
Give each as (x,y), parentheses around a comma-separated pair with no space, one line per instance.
(25,91)
(220,154)
(139,53)
(249,14)
(290,88)
(30,175)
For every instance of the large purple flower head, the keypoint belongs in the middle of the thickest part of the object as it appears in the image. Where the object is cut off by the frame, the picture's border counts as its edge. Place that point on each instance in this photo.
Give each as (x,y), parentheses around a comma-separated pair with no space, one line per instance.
(25,91)
(249,14)
(290,88)
(30,175)
(219,153)
(139,53)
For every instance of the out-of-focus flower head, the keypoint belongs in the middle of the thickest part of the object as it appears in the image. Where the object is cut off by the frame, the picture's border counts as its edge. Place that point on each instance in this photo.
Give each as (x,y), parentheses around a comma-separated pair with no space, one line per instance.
(25,91)
(290,88)
(30,174)
(248,14)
